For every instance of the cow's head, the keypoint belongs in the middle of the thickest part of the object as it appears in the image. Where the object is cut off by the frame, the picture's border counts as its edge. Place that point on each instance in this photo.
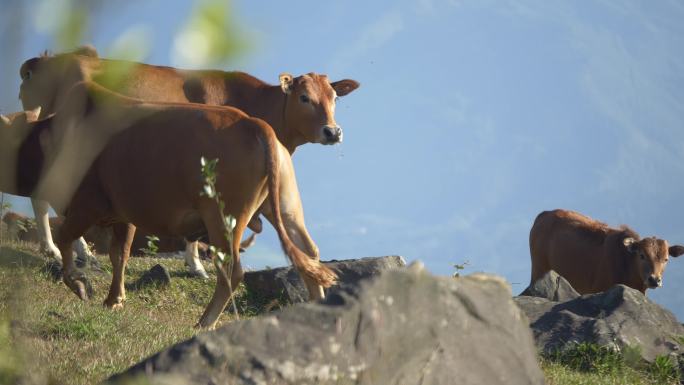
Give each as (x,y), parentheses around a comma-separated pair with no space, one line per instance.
(650,256)
(44,79)
(310,108)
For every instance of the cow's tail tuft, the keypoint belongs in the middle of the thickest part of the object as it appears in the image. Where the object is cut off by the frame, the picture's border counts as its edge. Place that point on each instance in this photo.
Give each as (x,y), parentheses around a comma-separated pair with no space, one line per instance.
(309,267)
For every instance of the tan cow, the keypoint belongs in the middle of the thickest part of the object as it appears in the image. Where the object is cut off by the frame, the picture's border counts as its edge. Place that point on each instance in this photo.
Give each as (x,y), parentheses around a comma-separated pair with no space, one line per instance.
(300,109)
(134,181)
(593,256)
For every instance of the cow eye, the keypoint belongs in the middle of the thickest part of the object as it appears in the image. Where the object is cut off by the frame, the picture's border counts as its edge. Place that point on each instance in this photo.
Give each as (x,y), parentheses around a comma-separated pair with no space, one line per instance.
(27,75)
(643,257)
(304,98)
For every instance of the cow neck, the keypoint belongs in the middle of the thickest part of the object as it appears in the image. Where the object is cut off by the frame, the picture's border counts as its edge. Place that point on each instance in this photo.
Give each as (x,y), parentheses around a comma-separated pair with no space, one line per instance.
(627,274)
(270,106)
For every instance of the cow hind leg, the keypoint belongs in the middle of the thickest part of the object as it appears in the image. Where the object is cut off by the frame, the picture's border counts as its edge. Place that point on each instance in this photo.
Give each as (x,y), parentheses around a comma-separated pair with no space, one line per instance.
(119,252)
(192,260)
(227,276)
(302,239)
(293,220)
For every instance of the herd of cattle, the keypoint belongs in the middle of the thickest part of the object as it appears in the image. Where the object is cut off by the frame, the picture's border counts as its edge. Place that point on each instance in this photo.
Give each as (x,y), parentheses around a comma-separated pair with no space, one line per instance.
(122,149)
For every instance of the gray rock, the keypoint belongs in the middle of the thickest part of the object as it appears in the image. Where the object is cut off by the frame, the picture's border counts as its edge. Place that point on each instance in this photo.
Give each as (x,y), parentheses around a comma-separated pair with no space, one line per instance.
(620,317)
(285,285)
(156,276)
(404,327)
(552,287)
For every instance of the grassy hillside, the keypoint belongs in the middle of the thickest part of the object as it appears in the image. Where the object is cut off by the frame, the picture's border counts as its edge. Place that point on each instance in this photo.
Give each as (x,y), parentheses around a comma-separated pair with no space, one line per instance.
(47,336)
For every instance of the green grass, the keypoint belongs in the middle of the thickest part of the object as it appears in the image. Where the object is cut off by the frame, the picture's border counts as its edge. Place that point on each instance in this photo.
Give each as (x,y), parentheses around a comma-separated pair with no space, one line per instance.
(53,335)
(587,363)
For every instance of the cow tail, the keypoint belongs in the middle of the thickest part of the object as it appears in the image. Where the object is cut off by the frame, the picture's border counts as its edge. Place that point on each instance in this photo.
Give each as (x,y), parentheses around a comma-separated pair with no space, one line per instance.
(311,268)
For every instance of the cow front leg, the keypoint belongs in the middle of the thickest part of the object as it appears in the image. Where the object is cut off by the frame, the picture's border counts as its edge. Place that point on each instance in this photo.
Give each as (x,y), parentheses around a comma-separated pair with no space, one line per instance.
(75,279)
(192,260)
(119,252)
(84,256)
(40,210)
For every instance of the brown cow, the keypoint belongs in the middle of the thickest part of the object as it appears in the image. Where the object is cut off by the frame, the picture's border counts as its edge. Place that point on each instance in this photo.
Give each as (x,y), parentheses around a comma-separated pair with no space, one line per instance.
(134,181)
(593,256)
(300,110)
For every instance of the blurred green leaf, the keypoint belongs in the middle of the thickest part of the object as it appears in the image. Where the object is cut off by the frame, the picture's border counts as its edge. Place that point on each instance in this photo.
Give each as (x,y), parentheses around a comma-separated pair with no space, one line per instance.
(210,37)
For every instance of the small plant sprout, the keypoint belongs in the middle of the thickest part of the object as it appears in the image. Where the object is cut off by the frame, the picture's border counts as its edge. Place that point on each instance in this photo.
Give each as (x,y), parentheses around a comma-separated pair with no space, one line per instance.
(223,260)
(459,268)
(152,248)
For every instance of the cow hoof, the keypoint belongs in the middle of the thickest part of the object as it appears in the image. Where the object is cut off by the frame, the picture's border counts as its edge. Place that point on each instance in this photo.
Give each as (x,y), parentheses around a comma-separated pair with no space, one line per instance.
(113,305)
(199,274)
(52,253)
(79,284)
(202,325)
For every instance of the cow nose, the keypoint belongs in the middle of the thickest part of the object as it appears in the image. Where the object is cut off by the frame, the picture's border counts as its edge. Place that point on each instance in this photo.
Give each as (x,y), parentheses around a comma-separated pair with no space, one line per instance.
(332,134)
(654,281)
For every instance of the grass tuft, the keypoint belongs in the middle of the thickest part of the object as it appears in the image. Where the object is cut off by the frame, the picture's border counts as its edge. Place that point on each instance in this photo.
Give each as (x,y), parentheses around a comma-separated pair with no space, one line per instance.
(588,363)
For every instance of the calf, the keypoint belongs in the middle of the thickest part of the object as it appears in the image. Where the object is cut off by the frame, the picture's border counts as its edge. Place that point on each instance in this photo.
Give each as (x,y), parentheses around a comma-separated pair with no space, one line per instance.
(593,256)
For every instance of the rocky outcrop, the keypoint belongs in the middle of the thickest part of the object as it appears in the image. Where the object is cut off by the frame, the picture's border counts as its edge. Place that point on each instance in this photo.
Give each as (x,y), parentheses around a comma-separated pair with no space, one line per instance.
(620,317)
(552,287)
(404,327)
(285,285)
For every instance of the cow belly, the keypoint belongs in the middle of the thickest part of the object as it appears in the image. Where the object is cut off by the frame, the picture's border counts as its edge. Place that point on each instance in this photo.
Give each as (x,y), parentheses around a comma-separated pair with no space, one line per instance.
(575,263)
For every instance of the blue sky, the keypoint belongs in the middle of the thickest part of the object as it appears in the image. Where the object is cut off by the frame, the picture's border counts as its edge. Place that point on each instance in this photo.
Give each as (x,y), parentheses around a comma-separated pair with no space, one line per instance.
(472,117)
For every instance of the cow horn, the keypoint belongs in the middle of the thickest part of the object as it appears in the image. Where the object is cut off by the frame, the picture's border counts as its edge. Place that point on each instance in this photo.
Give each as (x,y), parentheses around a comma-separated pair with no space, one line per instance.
(5,120)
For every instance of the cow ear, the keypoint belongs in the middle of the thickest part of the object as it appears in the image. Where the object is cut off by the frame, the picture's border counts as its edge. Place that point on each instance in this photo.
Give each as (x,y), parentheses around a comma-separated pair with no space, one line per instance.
(5,120)
(343,87)
(286,81)
(630,244)
(676,250)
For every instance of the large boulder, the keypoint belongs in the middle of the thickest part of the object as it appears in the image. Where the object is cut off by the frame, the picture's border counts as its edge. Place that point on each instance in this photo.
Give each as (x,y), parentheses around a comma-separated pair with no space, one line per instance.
(621,318)
(285,285)
(404,327)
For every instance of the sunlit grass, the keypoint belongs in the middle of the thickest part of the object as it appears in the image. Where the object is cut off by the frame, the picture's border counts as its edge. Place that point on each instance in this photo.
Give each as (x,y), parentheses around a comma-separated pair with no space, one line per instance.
(60,337)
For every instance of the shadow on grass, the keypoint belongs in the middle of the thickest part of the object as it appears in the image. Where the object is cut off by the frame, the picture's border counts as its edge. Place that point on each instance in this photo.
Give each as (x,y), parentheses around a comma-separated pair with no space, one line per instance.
(13,258)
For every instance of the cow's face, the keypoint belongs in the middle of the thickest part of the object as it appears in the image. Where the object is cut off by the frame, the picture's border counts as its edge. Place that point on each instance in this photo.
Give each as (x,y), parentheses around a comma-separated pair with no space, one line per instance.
(45,78)
(310,108)
(651,255)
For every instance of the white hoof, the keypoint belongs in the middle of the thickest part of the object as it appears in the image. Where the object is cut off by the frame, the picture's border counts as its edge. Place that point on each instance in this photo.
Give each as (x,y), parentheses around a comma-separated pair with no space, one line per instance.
(199,273)
(51,251)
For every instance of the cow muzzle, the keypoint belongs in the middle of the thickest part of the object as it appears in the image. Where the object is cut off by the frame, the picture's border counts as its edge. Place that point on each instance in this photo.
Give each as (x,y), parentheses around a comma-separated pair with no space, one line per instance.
(332,135)
(654,282)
